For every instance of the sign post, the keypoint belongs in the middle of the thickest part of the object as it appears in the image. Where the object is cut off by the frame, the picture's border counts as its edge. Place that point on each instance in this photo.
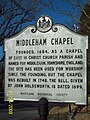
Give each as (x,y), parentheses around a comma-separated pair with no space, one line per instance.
(47,61)
(43,108)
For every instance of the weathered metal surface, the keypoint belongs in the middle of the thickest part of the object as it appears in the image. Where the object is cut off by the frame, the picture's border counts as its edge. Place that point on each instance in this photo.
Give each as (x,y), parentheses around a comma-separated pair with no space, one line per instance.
(50,62)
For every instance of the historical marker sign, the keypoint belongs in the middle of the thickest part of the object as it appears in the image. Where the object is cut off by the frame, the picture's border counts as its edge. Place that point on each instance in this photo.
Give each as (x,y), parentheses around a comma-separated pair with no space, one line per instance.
(46,61)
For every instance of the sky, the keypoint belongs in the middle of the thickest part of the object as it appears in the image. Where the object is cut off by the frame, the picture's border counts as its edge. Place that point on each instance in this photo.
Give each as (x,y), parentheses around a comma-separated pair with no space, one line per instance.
(1,52)
(53,12)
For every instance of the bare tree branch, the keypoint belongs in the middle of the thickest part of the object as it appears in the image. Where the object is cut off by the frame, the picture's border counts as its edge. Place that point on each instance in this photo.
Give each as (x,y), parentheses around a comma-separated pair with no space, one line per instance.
(15,16)
(2,58)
